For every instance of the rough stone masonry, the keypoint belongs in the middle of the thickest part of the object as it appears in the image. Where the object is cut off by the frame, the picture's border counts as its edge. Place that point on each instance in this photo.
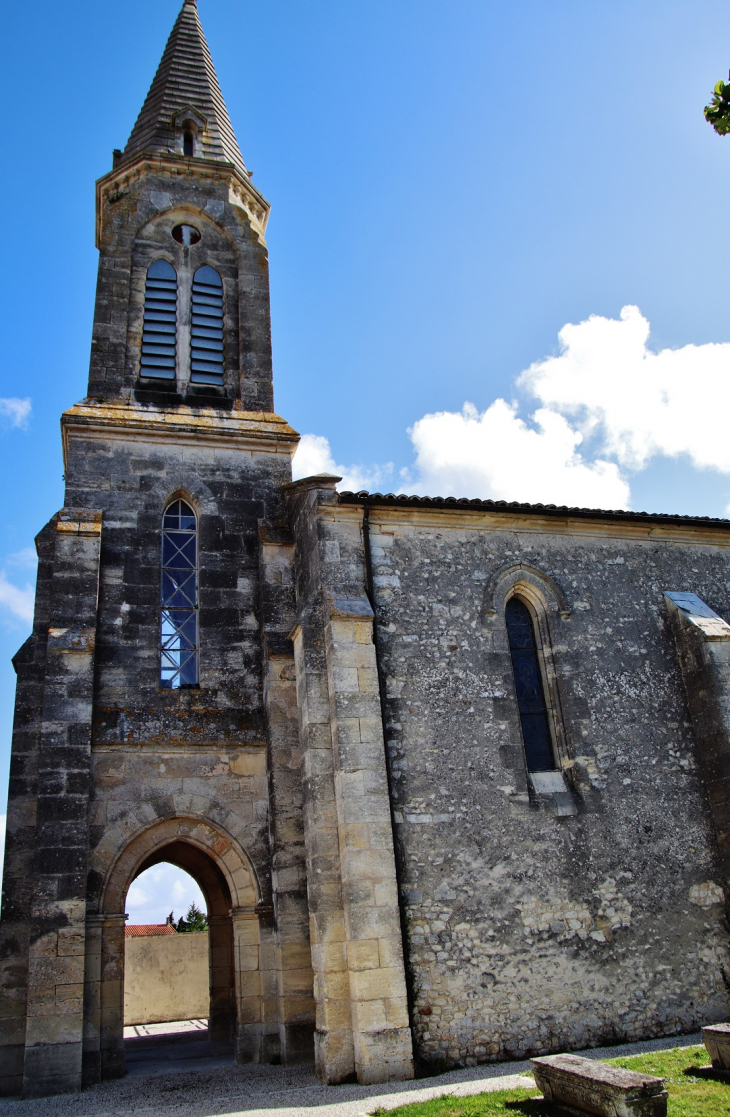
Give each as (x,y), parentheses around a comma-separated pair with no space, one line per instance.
(546,913)
(427,834)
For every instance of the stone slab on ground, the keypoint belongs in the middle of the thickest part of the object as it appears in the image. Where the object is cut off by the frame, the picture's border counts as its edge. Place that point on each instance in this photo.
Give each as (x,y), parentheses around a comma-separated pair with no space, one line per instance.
(170,1028)
(588,1086)
(716,1039)
(264,1091)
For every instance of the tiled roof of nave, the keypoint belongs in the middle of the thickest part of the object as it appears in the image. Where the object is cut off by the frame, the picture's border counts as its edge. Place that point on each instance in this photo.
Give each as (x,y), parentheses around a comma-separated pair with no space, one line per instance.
(560,511)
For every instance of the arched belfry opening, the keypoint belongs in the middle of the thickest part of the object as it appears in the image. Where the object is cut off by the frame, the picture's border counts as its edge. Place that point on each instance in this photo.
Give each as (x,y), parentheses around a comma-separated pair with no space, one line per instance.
(228,883)
(184,325)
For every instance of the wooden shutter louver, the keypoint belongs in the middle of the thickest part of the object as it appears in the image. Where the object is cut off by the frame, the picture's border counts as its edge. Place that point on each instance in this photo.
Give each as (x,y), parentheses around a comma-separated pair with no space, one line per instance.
(206,338)
(159,337)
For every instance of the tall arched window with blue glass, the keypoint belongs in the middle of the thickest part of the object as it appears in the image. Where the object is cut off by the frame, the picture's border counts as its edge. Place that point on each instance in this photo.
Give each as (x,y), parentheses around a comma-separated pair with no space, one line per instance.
(529,686)
(179,625)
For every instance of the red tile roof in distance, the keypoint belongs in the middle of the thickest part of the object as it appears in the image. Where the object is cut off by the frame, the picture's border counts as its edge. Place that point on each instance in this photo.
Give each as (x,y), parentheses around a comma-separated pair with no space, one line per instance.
(140,930)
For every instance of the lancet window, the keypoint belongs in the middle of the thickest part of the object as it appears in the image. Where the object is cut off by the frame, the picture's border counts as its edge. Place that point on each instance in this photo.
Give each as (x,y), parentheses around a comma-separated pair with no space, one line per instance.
(529,686)
(179,597)
(159,338)
(206,334)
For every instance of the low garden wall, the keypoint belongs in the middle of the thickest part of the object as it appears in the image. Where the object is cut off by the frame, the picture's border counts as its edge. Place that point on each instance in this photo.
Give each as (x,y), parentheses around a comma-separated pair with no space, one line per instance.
(166,978)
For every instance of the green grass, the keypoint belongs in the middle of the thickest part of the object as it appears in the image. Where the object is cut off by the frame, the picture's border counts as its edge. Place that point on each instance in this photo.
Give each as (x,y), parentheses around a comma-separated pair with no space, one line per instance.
(493,1104)
(690,1094)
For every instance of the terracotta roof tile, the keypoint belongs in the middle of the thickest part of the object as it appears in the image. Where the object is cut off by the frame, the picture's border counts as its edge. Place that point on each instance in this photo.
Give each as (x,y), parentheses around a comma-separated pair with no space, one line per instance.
(140,930)
(561,511)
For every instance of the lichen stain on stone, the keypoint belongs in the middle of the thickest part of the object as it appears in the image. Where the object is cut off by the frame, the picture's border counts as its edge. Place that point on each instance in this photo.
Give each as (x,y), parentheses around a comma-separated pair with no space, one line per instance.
(71,639)
(706,895)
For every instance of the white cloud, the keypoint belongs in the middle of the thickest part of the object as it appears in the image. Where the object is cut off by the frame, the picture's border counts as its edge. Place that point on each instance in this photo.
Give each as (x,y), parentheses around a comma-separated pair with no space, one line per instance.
(609,405)
(637,403)
(16,411)
(496,455)
(27,558)
(16,600)
(161,890)
(314,456)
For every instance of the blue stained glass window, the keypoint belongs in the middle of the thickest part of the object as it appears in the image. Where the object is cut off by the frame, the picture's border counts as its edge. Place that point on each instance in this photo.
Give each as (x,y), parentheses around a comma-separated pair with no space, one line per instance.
(529,687)
(179,597)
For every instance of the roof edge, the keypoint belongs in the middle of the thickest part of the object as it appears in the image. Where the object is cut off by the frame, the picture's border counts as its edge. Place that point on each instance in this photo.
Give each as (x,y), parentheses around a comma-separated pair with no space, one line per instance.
(556,511)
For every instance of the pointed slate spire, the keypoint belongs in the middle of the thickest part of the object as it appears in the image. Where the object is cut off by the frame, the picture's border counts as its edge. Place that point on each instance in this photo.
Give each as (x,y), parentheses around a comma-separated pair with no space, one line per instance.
(186,87)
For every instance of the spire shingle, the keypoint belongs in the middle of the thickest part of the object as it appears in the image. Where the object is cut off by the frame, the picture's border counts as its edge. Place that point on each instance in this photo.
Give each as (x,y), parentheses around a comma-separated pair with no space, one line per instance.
(185,79)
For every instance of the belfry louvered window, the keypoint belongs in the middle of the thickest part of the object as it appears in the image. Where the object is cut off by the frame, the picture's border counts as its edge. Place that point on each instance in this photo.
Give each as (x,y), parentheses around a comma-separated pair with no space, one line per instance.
(206,335)
(179,629)
(534,717)
(159,338)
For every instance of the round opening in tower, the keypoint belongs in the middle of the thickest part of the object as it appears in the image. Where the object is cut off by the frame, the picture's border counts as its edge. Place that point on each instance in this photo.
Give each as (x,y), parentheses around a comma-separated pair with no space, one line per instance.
(186,234)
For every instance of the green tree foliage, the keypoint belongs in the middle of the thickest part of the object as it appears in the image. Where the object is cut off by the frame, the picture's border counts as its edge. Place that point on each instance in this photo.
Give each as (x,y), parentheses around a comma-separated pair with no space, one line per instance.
(195,920)
(717,113)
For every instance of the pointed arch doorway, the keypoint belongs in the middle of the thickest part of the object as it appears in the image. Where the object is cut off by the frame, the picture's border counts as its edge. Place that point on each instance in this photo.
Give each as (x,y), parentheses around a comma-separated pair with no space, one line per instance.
(203,869)
(231,891)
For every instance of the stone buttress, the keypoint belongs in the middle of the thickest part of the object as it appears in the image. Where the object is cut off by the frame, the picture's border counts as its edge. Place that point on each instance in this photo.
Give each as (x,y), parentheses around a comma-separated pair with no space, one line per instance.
(357,951)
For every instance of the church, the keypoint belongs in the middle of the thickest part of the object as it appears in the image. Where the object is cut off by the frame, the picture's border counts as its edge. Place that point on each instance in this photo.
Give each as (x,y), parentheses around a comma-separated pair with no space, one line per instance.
(453,775)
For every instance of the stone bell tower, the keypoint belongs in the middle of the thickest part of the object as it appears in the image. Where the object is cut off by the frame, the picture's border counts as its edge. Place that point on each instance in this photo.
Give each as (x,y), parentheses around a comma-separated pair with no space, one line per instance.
(141,733)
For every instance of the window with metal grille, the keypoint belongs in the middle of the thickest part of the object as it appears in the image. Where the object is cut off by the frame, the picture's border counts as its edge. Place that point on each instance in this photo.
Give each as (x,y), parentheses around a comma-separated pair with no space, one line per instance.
(159,336)
(206,335)
(179,628)
(529,686)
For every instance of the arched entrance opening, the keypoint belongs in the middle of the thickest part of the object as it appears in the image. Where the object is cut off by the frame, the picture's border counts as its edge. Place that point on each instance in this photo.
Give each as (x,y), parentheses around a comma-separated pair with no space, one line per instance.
(227,881)
(213,885)
(166,956)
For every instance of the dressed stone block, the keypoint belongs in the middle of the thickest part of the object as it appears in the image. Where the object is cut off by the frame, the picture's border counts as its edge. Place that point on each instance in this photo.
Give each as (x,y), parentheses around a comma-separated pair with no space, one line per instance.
(716,1039)
(587,1086)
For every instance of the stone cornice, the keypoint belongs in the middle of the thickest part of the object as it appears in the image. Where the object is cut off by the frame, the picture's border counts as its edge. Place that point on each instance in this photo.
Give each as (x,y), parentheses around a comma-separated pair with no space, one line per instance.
(242,192)
(258,431)
(439,517)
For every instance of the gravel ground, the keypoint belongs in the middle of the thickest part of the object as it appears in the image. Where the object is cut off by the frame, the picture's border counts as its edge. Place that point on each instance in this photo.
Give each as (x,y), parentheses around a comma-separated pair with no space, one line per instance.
(263,1091)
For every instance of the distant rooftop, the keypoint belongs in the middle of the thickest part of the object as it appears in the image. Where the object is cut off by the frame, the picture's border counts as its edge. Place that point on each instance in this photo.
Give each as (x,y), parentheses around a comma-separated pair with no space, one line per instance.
(141,930)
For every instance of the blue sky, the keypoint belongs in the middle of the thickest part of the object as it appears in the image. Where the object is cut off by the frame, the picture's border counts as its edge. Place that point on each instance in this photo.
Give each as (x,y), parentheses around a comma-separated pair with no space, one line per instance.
(160,891)
(452,185)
